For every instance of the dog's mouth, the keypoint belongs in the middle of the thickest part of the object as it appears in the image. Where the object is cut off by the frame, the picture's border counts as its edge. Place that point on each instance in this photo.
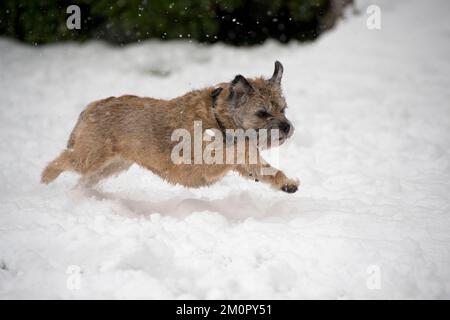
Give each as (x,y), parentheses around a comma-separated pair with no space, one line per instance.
(274,141)
(268,138)
(283,138)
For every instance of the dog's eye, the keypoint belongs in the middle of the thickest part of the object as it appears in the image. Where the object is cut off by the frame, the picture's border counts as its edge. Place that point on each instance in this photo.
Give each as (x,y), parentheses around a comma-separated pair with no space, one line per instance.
(263,114)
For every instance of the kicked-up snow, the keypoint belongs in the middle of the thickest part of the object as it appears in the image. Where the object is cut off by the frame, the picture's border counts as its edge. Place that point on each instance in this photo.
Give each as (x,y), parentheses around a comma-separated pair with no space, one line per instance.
(371,148)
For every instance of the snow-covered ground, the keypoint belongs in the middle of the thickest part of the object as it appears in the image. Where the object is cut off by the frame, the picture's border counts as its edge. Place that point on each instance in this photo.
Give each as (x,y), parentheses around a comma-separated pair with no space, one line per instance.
(371,148)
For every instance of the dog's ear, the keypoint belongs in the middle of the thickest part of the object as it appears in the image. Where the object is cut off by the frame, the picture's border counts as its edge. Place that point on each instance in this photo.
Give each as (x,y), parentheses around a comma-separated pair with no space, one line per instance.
(240,89)
(277,74)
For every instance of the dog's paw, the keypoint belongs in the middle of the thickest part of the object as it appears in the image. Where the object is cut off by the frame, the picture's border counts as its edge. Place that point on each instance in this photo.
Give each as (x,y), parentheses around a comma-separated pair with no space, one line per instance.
(290,187)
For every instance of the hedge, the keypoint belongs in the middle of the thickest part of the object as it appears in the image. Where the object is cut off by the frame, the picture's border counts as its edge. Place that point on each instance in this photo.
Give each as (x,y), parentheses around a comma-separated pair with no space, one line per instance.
(237,22)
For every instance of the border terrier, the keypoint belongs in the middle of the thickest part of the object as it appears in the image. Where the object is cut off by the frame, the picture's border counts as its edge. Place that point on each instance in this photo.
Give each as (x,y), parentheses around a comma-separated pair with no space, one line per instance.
(113,133)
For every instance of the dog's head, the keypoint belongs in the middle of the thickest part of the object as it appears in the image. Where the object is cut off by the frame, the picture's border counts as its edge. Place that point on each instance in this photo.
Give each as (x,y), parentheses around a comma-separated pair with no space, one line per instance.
(259,104)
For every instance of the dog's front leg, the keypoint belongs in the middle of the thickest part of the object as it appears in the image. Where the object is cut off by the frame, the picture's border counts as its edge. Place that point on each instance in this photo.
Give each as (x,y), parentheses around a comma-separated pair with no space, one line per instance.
(264,172)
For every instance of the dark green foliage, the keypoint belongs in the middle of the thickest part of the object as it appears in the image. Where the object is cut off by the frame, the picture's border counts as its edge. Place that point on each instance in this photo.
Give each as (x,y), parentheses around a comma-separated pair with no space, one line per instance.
(237,22)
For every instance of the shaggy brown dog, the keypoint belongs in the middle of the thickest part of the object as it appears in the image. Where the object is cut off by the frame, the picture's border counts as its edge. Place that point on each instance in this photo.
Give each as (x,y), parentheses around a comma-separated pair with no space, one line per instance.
(113,133)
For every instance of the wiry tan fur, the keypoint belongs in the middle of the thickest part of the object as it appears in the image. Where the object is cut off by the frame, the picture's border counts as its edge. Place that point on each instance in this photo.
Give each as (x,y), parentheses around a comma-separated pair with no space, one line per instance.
(113,133)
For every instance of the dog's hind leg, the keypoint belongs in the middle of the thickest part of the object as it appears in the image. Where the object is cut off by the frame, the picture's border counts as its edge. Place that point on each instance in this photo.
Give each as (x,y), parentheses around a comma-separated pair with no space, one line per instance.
(110,168)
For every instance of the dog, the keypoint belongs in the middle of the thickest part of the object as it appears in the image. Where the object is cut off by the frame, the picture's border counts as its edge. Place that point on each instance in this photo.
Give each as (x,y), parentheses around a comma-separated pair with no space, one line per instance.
(114,133)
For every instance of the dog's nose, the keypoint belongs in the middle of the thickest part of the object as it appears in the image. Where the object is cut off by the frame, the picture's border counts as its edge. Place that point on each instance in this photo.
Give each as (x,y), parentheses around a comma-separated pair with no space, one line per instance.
(285,127)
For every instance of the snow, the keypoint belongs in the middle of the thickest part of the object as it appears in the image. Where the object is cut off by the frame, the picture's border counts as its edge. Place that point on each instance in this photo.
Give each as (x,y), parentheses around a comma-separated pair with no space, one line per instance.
(371,148)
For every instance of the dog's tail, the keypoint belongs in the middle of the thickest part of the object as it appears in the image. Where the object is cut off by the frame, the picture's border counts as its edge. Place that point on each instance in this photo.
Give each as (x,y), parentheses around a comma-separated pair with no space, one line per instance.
(56,167)
(65,161)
